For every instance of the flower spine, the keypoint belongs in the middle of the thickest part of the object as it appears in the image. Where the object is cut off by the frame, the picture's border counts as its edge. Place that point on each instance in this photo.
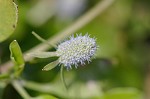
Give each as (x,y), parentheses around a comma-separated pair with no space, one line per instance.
(76,50)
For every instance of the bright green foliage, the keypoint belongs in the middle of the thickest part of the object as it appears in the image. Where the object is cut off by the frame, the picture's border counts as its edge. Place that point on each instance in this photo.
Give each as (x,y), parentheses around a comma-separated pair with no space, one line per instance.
(8,18)
(45,97)
(123,93)
(16,57)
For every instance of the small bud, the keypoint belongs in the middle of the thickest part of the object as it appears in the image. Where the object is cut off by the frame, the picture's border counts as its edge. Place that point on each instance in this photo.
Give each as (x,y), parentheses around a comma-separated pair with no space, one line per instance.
(76,50)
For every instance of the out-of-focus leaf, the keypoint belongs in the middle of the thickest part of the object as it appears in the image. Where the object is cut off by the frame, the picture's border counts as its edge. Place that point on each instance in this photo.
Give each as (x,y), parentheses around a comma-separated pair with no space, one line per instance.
(107,38)
(123,93)
(2,87)
(8,18)
(45,97)
(81,90)
(4,76)
(16,57)
(50,65)
(106,28)
(43,54)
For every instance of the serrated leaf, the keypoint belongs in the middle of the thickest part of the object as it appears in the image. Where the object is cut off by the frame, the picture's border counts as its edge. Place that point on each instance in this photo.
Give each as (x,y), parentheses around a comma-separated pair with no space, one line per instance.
(8,18)
(17,57)
(43,54)
(50,65)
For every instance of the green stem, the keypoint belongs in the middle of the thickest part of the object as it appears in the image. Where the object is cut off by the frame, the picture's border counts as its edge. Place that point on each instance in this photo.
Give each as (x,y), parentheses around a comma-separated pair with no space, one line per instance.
(51,88)
(20,89)
(62,77)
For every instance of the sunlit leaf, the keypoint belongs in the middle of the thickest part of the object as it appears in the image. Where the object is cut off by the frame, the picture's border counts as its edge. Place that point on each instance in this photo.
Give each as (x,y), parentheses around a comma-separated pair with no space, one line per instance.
(123,93)
(51,65)
(45,97)
(17,57)
(43,54)
(8,18)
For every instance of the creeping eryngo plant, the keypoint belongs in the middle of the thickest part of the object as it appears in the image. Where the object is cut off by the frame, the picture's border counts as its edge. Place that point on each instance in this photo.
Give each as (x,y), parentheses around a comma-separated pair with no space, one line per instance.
(73,52)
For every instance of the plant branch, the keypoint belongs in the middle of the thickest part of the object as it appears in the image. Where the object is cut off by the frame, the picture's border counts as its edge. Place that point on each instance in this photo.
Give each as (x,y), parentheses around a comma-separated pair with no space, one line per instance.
(20,89)
(78,24)
(50,88)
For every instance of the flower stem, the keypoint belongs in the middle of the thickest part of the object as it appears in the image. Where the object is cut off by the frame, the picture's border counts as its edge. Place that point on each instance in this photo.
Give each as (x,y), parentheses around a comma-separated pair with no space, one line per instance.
(20,89)
(62,77)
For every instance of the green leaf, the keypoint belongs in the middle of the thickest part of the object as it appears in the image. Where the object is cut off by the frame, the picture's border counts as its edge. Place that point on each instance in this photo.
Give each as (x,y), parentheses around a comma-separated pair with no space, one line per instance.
(123,93)
(4,76)
(51,65)
(43,54)
(8,18)
(45,97)
(17,57)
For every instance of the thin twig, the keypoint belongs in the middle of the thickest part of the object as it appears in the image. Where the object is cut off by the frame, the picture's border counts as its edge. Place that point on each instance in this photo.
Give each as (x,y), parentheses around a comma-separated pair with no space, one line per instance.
(42,40)
(78,24)
(62,77)
(20,89)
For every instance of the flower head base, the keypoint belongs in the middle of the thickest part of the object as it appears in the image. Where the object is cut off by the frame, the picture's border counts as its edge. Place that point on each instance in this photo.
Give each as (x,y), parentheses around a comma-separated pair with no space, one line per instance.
(76,51)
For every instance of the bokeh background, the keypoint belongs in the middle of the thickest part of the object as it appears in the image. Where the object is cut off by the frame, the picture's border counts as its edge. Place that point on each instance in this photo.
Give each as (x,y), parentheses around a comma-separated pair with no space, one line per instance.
(121,66)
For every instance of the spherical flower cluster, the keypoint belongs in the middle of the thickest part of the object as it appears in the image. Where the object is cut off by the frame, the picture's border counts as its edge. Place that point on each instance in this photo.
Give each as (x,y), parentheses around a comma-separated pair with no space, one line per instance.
(76,50)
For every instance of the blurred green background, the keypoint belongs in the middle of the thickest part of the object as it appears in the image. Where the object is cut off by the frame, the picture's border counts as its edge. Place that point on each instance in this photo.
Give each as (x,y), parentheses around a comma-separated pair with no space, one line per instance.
(121,66)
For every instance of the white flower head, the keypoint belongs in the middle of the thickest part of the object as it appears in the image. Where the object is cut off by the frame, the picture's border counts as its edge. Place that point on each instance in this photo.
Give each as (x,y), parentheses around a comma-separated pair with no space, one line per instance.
(74,51)
(77,50)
